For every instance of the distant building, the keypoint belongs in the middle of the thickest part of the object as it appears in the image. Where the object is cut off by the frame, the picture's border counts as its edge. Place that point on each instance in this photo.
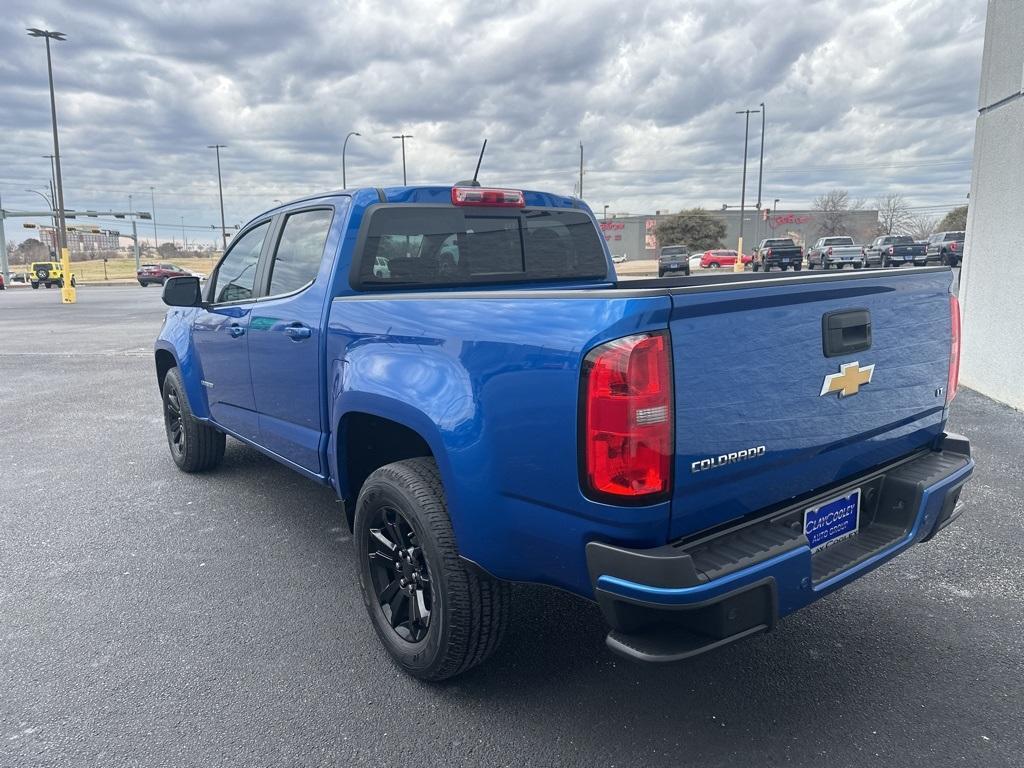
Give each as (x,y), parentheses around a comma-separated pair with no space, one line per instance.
(80,243)
(635,237)
(992,279)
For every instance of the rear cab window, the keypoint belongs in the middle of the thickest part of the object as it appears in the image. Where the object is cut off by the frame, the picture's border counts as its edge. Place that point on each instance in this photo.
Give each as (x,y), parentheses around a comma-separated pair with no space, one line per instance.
(950,236)
(426,245)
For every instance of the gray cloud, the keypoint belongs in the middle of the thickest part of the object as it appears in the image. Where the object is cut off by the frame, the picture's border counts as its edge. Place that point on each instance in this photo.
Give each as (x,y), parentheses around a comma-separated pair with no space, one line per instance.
(873,95)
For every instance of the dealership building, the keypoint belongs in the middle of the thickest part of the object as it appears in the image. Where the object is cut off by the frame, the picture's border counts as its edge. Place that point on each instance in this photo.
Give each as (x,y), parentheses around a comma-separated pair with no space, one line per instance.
(634,236)
(992,279)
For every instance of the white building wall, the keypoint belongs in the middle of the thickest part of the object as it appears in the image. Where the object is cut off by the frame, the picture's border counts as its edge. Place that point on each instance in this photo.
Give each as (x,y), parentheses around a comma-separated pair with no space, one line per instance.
(992,280)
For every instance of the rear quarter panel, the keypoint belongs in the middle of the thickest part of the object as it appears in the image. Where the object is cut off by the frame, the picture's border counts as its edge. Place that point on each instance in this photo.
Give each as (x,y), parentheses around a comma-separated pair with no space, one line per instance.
(492,385)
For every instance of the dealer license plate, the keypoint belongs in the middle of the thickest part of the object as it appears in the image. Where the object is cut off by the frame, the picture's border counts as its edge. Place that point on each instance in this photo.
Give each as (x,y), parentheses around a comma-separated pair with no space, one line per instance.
(833,521)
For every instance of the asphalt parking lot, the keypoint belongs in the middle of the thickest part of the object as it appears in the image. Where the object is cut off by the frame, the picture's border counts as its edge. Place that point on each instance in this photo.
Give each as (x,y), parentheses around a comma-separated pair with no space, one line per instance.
(156,619)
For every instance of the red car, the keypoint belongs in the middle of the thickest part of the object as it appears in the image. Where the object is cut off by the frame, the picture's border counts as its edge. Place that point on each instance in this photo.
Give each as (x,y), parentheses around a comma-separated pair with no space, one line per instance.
(720,258)
(157,273)
(3,285)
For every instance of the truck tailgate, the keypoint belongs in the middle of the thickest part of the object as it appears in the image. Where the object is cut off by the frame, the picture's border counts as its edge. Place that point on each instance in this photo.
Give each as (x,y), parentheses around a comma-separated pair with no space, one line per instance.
(749,369)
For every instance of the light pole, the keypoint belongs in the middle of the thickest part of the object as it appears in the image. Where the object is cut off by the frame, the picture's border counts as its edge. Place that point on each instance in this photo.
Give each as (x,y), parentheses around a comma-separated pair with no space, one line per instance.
(344,146)
(760,177)
(220,190)
(403,137)
(67,293)
(152,199)
(606,210)
(581,171)
(184,240)
(49,203)
(738,266)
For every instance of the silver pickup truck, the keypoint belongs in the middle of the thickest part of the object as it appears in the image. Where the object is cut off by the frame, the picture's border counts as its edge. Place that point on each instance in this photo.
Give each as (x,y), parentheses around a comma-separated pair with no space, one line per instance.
(835,252)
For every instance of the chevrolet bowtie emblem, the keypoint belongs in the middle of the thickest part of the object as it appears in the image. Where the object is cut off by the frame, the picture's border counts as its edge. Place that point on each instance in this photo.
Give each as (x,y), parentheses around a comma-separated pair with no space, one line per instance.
(849,380)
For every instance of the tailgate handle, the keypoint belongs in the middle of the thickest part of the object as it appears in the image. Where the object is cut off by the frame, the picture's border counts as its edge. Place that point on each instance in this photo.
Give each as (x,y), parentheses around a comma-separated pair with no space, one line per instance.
(845,332)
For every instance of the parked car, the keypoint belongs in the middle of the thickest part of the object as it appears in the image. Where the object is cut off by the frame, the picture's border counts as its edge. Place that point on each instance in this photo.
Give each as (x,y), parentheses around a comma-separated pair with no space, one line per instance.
(694,261)
(620,258)
(946,248)
(48,273)
(836,252)
(3,285)
(20,277)
(895,251)
(150,274)
(530,418)
(720,258)
(673,258)
(779,252)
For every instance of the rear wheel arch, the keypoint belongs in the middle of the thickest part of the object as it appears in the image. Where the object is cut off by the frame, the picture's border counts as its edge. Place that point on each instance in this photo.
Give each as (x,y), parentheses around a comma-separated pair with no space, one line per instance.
(366,442)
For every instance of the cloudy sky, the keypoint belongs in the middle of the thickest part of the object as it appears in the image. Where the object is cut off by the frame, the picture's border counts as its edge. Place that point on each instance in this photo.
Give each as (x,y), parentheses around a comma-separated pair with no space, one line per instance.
(875,96)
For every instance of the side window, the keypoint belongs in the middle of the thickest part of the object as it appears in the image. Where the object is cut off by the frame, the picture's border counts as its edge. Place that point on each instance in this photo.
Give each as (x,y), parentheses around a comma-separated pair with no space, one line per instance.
(299,251)
(236,276)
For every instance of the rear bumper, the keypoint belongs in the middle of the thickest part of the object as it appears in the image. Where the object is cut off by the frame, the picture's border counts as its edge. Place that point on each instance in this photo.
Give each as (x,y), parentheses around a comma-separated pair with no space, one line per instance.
(683,599)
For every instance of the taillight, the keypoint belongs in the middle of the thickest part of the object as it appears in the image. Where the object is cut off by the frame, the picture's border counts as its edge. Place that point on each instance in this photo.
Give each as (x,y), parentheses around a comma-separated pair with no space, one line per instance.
(952,246)
(953,381)
(829,251)
(892,250)
(768,253)
(499,198)
(627,417)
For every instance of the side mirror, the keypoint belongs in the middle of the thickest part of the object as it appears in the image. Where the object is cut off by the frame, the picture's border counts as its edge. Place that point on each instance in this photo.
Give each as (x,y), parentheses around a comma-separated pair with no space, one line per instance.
(182,292)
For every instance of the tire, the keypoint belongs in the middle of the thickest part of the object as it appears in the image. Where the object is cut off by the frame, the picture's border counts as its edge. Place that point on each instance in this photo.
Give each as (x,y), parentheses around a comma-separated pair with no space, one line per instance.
(143,284)
(660,273)
(35,286)
(857,265)
(797,267)
(194,446)
(467,611)
(73,283)
(714,265)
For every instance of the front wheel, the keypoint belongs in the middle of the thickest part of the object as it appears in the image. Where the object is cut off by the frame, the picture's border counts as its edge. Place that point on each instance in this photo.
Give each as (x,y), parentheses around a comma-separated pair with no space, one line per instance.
(435,616)
(35,286)
(195,446)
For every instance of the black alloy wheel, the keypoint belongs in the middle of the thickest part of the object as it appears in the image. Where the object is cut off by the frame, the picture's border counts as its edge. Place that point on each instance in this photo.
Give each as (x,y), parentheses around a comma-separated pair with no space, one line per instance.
(399,574)
(174,422)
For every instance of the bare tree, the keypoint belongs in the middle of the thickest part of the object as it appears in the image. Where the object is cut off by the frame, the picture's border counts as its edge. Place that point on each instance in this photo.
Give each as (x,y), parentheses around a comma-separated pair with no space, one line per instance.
(922,226)
(894,215)
(835,207)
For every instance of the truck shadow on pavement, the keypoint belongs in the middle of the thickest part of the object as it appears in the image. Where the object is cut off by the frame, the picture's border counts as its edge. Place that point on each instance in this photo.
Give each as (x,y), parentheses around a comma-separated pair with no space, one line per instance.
(870,660)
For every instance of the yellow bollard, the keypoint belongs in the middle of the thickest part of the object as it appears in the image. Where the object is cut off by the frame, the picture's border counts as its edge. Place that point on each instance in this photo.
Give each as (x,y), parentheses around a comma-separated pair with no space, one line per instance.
(738,266)
(68,294)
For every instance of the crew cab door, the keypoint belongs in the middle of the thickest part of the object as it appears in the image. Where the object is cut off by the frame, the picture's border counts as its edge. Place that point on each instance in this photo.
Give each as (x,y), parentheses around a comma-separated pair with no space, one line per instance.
(219,334)
(285,335)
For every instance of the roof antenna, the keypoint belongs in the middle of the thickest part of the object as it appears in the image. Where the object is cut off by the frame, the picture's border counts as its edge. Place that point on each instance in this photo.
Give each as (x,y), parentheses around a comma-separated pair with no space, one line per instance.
(473,182)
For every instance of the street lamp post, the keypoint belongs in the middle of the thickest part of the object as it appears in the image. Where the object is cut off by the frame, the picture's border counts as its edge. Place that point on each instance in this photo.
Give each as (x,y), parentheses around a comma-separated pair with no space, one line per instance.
(606,210)
(403,137)
(68,294)
(220,191)
(152,199)
(344,146)
(738,266)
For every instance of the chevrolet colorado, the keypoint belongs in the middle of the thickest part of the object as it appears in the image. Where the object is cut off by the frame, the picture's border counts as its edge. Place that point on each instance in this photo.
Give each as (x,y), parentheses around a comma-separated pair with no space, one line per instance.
(496,407)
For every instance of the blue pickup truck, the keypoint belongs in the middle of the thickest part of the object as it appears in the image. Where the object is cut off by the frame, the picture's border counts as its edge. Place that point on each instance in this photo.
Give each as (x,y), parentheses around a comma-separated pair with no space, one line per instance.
(699,455)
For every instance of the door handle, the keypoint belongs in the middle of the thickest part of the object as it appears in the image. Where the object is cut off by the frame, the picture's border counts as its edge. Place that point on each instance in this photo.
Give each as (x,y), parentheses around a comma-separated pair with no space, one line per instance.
(236,331)
(297,332)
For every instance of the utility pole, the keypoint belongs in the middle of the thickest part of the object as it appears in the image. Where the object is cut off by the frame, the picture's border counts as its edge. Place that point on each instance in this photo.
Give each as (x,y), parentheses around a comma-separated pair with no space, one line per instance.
(738,266)
(760,175)
(184,240)
(67,294)
(581,171)
(403,137)
(344,146)
(152,199)
(5,266)
(220,190)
